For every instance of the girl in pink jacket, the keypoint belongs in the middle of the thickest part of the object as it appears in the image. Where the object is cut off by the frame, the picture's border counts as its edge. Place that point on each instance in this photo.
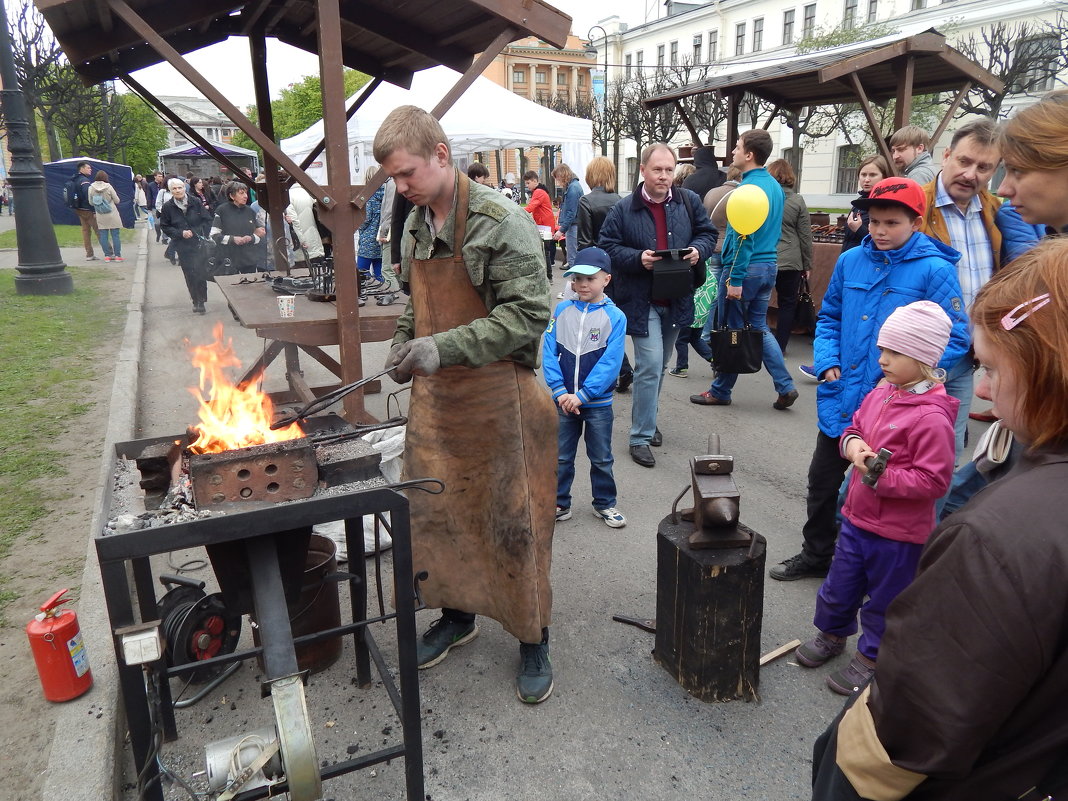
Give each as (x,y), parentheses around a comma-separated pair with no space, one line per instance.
(887,517)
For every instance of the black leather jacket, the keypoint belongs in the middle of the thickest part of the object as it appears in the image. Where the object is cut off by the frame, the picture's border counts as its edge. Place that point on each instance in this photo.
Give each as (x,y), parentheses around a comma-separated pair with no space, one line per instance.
(592,209)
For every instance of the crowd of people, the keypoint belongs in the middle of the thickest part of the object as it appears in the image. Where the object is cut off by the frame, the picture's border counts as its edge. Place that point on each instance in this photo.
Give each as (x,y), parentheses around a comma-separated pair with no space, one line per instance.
(956,682)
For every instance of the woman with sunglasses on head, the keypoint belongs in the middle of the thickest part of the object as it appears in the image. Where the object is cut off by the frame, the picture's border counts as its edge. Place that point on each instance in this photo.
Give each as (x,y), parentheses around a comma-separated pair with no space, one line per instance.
(967,701)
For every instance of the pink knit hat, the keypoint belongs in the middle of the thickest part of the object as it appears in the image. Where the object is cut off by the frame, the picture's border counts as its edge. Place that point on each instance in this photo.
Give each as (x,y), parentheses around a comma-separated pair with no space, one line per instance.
(920,330)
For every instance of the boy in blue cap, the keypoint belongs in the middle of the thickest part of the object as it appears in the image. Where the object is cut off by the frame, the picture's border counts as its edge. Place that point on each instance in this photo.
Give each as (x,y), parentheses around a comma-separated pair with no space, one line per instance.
(582,351)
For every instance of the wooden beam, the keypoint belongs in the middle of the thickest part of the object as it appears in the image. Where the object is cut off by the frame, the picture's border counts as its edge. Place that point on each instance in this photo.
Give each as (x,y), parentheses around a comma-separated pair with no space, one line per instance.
(250,18)
(859,62)
(941,129)
(477,68)
(865,106)
(403,33)
(771,117)
(182,125)
(974,73)
(905,70)
(533,16)
(689,125)
(277,196)
(207,88)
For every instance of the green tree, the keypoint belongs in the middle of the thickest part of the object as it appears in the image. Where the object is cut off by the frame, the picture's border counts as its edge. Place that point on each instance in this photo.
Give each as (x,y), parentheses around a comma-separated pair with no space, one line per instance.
(298,106)
(143,134)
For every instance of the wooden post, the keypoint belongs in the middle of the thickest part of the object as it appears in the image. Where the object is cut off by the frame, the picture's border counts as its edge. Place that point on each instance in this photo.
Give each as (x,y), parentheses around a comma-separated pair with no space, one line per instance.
(709,610)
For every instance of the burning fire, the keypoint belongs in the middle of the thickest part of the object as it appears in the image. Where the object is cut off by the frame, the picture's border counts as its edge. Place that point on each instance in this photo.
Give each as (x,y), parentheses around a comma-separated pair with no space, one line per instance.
(231,418)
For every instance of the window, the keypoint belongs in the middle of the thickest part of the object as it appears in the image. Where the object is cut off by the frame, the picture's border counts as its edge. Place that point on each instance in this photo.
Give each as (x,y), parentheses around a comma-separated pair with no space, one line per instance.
(519,76)
(660,55)
(788,27)
(627,65)
(739,39)
(562,78)
(918,4)
(640,61)
(808,21)
(848,161)
(697,41)
(758,35)
(541,76)
(1036,64)
(713,45)
(582,78)
(873,10)
(674,54)
(632,171)
(849,14)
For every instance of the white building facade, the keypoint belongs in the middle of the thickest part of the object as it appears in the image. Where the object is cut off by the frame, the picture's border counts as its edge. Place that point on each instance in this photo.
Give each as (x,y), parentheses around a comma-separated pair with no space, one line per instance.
(728,35)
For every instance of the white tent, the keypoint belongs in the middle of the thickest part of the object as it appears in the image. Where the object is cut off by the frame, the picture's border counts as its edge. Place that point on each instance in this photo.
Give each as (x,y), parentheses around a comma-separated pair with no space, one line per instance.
(486,117)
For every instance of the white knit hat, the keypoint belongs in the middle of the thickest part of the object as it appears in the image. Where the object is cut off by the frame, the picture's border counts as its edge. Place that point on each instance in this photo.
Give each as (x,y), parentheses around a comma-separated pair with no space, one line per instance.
(920,330)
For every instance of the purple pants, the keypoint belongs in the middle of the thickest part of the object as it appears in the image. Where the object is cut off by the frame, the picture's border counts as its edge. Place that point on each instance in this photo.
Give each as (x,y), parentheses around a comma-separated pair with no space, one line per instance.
(865,564)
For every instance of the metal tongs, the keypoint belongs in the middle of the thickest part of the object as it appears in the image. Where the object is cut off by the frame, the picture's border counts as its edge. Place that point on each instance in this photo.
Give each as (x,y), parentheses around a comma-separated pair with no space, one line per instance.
(328,399)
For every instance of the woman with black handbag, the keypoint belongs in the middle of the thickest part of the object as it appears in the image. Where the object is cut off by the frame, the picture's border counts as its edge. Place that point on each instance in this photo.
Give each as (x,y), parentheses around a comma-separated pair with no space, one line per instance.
(185,220)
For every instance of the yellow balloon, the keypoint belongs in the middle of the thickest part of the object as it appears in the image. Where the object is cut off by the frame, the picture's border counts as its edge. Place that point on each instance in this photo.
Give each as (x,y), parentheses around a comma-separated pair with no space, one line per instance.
(747,208)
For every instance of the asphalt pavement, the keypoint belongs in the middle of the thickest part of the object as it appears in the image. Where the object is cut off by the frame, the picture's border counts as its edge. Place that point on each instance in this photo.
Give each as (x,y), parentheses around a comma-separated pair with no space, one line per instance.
(617,725)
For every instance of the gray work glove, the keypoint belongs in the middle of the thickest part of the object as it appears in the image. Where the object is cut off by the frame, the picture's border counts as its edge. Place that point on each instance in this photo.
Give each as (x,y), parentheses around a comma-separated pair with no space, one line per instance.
(414,357)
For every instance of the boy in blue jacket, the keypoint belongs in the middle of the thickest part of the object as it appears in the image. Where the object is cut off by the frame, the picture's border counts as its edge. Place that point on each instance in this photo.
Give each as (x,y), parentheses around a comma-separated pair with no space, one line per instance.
(581,354)
(894,266)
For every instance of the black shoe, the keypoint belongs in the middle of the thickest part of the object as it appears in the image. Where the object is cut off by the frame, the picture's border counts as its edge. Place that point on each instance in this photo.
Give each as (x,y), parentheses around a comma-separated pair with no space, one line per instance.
(797,567)
(642,455)
(785,401)
(625,380)
(535,680)
(657,439)
(442,636)
(198,308)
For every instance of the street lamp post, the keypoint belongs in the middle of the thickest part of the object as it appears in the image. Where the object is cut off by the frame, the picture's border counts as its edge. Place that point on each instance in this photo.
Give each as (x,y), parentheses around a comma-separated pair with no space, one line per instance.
(41,268)
(591,53)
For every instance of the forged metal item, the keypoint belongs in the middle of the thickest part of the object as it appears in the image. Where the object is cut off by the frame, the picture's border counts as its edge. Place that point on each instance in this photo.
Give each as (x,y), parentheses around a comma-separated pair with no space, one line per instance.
(295,736)
(326,400)
(876,465)
(280,471)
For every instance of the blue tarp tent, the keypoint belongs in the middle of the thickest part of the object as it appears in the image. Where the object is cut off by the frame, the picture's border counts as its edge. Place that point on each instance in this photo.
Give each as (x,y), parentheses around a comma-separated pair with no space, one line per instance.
(57,173)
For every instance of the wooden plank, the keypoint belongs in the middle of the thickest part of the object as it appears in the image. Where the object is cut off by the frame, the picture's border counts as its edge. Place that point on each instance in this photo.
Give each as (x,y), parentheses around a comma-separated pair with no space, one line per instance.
(948,116)
(865,106)
(782,650)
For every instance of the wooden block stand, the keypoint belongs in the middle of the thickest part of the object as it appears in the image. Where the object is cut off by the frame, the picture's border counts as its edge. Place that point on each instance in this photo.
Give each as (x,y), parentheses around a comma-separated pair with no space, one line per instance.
(709,608)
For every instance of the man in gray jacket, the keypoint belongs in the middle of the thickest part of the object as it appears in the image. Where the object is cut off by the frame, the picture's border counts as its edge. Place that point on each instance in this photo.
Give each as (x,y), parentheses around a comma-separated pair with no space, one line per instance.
(910,148)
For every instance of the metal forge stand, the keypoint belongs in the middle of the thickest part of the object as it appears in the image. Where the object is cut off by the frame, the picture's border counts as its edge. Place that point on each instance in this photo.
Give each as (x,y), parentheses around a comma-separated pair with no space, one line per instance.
(262,535)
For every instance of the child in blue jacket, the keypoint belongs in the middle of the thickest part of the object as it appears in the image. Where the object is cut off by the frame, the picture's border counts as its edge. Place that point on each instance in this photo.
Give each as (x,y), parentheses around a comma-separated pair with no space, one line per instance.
(582,352)
(895,265)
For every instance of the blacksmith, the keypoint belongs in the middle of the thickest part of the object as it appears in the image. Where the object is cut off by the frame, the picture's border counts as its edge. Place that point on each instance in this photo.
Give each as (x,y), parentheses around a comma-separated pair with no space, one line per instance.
(479,418)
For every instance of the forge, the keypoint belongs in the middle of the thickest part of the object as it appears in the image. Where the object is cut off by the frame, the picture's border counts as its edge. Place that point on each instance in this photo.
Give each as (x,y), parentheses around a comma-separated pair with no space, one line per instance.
(252,509)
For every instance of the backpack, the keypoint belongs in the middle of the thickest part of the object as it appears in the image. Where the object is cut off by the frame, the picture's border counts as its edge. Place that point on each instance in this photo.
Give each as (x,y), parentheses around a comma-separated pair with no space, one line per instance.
(101,205)
(70,194)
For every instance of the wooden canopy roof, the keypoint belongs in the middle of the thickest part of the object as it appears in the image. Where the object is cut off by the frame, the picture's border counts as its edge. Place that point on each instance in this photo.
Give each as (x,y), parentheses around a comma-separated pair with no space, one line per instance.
(389,39)
(864,73)
(822,78)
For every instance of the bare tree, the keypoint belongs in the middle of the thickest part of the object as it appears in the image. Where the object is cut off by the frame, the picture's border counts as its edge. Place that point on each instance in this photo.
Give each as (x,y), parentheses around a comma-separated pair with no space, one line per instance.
(1026,56)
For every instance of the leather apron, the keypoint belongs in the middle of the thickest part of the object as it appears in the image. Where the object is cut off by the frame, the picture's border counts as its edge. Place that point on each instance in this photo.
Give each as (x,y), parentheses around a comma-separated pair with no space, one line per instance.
(490,434)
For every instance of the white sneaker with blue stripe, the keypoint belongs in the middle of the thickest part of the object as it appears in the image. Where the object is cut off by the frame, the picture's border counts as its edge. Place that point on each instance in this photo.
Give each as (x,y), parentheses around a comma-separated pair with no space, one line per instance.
(611,516)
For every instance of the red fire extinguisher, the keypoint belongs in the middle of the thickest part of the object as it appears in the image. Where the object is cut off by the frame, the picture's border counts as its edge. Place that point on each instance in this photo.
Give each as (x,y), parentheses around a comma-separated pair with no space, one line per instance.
(58,650)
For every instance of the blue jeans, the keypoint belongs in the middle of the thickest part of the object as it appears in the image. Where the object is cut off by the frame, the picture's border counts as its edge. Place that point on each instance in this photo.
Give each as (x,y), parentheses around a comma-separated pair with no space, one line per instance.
(651,355)
(961,385)
(571,244)
(698,339)
(756,293)
(116,246)
(597,421)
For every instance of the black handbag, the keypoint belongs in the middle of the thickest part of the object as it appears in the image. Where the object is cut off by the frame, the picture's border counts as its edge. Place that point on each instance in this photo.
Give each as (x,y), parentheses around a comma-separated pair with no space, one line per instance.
(672,277)
(805,316)
(736,351)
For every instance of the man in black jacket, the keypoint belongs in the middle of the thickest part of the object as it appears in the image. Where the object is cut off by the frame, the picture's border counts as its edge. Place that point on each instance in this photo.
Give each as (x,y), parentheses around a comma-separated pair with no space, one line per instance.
(80,206)
(707,175)
(185,220)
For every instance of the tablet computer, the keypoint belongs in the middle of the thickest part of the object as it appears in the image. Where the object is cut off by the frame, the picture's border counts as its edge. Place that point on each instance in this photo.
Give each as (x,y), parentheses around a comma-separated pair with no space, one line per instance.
(673,253)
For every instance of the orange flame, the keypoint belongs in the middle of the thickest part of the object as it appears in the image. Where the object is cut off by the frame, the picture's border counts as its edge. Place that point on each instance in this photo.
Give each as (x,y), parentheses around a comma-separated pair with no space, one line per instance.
(231,417)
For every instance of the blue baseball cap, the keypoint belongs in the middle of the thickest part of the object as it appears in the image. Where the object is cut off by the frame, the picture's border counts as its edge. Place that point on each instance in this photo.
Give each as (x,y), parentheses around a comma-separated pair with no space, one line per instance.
(589,261)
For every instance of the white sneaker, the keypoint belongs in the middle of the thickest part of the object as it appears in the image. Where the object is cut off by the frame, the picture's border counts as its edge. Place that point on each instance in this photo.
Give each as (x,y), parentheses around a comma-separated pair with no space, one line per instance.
(563,514)
(611,516)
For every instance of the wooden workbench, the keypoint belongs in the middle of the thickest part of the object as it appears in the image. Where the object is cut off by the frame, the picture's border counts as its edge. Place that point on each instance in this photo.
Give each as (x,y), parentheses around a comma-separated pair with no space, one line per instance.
(312,326)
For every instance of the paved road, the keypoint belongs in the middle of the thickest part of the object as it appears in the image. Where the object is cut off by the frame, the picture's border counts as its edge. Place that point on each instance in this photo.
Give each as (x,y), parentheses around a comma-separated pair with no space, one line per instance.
(617,725)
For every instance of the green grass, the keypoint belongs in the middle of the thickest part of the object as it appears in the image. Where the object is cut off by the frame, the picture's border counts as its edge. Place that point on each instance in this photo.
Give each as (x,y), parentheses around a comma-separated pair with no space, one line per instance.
(47,344)
(68,236)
